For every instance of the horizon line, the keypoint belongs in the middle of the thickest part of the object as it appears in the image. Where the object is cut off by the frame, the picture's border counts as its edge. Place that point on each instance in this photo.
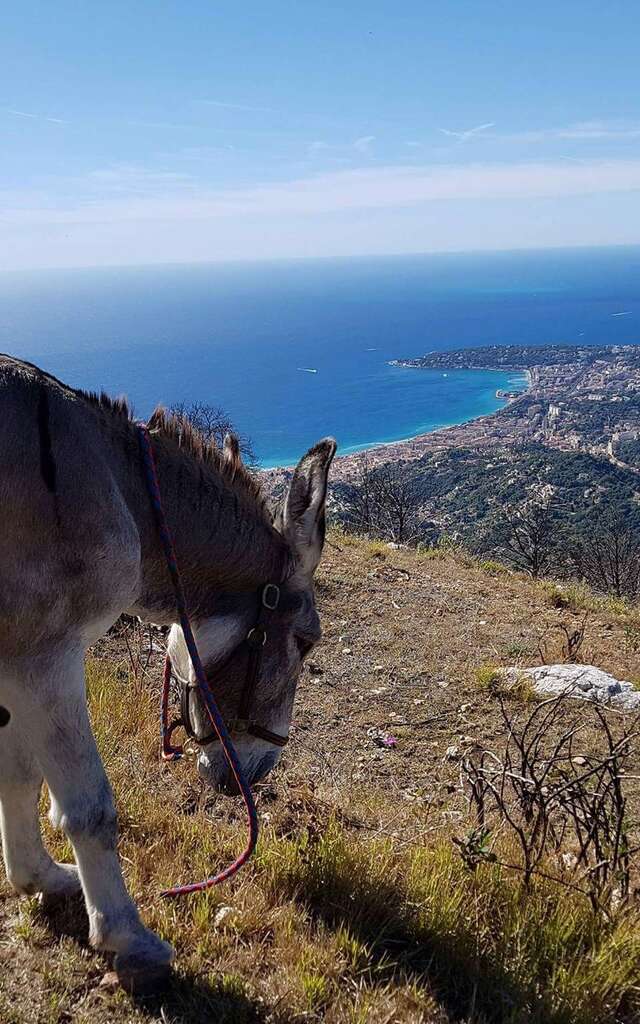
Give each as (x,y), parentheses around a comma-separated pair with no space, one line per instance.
(352,257)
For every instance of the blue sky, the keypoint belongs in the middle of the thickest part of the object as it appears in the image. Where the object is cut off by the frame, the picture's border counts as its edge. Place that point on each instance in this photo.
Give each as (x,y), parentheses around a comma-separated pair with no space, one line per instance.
(160,132)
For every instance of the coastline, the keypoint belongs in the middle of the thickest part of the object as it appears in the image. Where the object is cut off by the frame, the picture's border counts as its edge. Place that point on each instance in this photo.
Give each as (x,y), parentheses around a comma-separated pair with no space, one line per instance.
(462,433)
(578,399)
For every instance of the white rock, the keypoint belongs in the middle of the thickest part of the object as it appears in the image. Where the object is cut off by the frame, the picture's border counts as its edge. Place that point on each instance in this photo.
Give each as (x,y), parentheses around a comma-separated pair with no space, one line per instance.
(451,753)
(583,682)
(225,917)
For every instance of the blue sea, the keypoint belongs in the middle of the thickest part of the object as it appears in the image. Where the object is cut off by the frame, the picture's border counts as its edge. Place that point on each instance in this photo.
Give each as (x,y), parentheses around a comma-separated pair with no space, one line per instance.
(246,336)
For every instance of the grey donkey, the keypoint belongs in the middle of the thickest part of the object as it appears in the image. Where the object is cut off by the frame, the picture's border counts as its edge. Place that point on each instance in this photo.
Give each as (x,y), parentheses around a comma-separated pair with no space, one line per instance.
(78,547)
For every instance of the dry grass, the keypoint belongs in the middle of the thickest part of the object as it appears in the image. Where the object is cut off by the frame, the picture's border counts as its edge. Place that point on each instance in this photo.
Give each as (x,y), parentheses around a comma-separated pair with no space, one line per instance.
(358,908)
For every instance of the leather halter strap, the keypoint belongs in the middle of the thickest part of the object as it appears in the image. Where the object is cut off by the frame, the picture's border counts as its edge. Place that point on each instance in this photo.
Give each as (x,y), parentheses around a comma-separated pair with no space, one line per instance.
(254,644)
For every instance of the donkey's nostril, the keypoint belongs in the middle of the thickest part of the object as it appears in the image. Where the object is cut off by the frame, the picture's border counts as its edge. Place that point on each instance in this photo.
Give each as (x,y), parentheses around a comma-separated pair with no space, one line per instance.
(265,765)
(5,716)
(229,785)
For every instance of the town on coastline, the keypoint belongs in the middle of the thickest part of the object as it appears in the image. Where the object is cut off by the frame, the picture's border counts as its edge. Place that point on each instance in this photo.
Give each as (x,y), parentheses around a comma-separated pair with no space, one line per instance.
(573,436)
(579,398)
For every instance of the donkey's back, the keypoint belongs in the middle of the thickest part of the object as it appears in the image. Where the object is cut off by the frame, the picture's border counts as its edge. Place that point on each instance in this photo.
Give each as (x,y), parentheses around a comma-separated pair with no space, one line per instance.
(67,535)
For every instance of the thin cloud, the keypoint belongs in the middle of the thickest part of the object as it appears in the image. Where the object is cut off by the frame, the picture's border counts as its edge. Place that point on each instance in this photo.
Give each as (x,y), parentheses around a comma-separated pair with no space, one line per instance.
(36,117)
(165,197)
(469,133)
(164,125)
(238,106)
(130,179)
(363,144)
(581,131)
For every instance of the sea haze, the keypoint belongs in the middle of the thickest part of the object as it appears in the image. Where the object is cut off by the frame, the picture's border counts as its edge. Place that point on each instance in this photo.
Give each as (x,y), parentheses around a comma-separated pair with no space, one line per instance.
(245,336)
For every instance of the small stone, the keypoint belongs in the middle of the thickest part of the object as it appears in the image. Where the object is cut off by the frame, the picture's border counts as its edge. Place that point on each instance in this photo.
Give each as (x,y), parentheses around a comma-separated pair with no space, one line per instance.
(579,760)
(378,668)
(347,650)
(110,980)
(226,917)
(451,753)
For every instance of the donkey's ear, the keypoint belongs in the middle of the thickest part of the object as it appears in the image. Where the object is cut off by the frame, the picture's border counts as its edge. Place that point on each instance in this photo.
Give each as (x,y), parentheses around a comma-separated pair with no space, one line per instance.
(231,451)
(303,514)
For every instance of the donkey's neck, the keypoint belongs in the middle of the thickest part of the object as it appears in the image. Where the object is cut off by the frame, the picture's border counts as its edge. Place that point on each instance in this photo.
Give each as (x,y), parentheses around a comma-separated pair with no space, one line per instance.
(222,534)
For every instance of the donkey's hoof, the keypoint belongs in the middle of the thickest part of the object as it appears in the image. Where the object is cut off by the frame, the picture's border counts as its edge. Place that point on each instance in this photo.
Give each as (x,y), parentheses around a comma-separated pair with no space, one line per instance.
(141,976)
(63,883)
(145,967)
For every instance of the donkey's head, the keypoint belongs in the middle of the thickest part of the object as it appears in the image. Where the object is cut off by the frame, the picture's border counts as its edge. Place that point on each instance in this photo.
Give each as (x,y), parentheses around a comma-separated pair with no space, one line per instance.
(254,646)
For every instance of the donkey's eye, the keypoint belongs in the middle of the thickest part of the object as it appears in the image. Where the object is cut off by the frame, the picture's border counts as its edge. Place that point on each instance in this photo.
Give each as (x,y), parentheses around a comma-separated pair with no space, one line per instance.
(304,645)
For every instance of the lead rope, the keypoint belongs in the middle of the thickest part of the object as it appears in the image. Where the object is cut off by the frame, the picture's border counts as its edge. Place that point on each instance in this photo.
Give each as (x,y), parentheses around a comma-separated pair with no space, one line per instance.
(215,717)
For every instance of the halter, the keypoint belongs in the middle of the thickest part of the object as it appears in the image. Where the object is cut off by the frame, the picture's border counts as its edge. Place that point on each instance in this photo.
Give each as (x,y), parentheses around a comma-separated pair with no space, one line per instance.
(253,646)
(270,598)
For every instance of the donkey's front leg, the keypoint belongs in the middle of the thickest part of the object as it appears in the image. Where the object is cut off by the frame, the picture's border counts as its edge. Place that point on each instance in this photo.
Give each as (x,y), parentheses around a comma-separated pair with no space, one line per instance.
(30,869)
(82,805)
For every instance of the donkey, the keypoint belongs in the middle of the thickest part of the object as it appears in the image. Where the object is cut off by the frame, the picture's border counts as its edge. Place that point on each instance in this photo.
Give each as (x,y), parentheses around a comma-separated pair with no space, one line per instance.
(78,547)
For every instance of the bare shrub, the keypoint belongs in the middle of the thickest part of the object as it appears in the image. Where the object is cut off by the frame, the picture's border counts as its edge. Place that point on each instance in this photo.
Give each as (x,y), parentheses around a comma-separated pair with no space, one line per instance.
(571,642)
(608,559)
(384,503)
(141,640)
(214,424)
(561,804)
(529,535)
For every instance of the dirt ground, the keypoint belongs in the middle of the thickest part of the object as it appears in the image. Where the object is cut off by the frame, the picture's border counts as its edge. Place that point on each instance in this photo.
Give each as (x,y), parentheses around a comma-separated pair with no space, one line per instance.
(403,639)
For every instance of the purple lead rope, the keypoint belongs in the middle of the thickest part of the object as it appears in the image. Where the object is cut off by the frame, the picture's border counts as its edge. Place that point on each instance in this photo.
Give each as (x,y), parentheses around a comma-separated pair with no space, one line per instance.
(204,689)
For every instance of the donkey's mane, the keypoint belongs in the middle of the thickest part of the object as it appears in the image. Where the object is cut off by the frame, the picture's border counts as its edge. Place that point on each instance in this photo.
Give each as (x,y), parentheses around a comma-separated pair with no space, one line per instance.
(181,432)
(177,428)
(174,427)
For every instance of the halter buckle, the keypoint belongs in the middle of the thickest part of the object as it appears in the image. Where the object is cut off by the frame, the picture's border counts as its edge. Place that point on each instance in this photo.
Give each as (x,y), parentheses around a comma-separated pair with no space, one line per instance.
(271,596)
(238,726)
(257,637)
